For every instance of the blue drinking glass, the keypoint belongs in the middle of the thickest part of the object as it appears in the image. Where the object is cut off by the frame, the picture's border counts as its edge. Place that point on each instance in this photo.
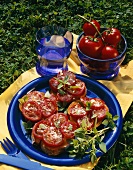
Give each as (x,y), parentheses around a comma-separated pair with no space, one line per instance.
(54,45)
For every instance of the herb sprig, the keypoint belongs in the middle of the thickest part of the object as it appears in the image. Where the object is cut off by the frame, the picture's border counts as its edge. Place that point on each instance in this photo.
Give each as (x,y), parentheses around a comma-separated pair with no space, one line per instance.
(64,85)
(87,142)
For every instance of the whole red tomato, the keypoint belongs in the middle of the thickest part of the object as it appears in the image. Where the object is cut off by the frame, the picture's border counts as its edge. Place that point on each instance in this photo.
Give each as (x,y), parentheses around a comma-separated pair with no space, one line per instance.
(112,36)
(91,46)
(109,52)
(89,29)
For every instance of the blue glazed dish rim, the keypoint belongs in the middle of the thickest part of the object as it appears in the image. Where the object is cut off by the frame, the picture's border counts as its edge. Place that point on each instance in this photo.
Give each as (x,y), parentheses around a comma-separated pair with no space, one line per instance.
(18,133)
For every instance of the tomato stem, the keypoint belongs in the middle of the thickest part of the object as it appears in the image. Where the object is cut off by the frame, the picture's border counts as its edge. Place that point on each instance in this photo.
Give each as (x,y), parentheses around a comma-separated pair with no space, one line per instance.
(93,26)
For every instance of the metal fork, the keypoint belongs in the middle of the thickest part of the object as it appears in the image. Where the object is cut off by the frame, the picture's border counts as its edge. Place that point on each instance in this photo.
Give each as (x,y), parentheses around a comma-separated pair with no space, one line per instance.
(11,149)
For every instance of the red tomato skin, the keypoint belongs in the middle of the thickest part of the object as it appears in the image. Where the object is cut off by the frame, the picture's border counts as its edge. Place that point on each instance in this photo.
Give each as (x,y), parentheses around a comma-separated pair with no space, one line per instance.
(97,106)
(76,111)
(71,76)
(101,113)
(89,121)
(53,83)
(95,103)
(67,133)
(109,52)
(65,97)
(38,133)
(48,107)
(58,119)
(89,29)
(112,36)
(78,92)
(30,114)
(52,137)
(35,96)
(53,98)
(90,47)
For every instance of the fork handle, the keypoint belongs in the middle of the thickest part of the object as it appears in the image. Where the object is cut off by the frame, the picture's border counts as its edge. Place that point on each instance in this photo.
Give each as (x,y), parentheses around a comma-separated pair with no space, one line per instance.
(21,155)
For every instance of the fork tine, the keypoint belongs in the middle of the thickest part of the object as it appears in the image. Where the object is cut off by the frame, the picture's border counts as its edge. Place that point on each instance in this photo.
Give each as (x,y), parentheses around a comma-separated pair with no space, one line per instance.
(7,144)
(5,147)
(11,144)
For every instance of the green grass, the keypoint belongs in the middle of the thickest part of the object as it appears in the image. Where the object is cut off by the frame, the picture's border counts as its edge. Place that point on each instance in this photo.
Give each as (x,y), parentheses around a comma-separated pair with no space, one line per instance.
(21,19)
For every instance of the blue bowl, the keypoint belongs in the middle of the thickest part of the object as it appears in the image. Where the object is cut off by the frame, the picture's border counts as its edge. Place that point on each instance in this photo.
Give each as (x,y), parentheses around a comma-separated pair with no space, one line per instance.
(102,69)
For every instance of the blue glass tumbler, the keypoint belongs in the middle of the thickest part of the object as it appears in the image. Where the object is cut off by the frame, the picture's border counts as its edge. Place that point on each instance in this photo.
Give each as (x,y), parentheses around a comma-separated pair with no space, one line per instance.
(54,45)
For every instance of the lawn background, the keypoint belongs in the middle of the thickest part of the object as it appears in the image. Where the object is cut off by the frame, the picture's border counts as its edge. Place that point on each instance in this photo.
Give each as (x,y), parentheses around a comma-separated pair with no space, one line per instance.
(21,19)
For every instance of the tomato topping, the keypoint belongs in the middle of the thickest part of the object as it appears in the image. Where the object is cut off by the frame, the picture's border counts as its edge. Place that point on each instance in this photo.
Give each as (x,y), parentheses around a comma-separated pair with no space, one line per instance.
(71,76)
(68,128)
(78,89)
(92,103)
(35,96)
(100,113)
(65,97)
(76,110)
(52,137)
(48,107)
(31,96)
(53,97)
(31,111)
(86,121)
(58,119)
(38,129)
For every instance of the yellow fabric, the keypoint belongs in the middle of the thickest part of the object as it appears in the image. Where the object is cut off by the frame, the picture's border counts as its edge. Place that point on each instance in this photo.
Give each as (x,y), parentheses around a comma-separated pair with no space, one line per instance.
(121,86)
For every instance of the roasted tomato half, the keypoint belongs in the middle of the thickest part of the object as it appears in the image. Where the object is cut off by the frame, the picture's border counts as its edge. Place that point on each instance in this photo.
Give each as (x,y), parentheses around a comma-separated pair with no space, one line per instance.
(100,113)
(48,107)
(31,96)
(68,128)
(35,96)
(70,76)
(86,122)
(52,137)
(78,90)
(92,103)
(65,97)
(31,111)
(38,129)
(58,119)
(76,111)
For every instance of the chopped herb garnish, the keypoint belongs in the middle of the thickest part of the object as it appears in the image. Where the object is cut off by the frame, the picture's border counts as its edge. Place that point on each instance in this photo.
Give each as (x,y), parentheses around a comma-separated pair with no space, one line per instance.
(63,83)
(62,92)
(88,105)
(74,87)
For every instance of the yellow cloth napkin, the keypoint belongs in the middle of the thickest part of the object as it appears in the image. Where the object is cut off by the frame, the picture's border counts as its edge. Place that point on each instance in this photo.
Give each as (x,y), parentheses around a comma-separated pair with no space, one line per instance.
(121,86)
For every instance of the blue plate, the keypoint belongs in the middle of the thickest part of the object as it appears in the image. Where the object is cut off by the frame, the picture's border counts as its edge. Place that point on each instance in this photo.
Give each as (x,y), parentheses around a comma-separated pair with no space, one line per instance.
(18,133)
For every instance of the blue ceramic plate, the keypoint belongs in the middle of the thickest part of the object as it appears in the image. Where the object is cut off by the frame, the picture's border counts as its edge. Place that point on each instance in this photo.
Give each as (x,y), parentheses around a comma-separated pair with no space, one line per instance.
(18,133)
